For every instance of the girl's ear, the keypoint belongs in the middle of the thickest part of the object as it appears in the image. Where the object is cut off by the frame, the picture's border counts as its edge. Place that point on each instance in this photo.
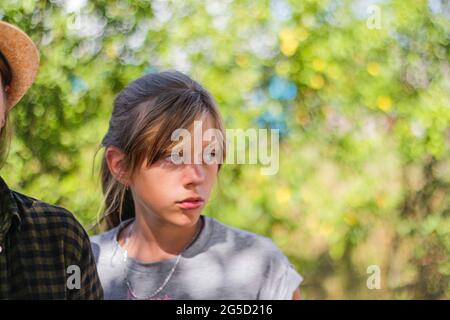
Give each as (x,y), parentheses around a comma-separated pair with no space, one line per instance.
(115,160)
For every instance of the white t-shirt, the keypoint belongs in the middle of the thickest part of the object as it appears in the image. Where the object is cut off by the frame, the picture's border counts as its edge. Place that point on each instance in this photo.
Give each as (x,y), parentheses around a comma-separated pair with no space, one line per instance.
(222,263)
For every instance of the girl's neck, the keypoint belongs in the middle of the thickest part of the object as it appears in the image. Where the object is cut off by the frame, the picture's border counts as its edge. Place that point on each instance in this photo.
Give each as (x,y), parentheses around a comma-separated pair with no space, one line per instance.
(152,239)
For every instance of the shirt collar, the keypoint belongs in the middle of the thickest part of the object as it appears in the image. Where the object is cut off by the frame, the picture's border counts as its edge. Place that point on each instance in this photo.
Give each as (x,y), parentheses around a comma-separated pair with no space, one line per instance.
(8,208)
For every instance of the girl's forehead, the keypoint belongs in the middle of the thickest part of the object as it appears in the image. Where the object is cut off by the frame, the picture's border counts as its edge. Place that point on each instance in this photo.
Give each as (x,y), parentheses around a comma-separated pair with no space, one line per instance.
(205,130)
(206,121)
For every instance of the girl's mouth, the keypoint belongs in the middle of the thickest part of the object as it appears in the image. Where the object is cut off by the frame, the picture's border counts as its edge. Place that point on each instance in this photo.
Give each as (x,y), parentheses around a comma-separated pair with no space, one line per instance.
(191,203)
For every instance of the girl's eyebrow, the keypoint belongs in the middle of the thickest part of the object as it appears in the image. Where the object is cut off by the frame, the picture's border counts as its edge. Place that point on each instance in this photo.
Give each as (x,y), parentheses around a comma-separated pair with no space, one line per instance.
(214,143)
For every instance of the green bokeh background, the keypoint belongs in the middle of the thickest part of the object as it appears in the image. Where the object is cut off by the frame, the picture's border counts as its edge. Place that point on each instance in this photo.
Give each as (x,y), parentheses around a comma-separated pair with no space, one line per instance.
(360,92)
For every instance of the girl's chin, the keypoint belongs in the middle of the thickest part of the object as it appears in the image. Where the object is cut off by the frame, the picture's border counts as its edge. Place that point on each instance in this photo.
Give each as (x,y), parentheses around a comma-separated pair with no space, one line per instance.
(188,217)
(180,217)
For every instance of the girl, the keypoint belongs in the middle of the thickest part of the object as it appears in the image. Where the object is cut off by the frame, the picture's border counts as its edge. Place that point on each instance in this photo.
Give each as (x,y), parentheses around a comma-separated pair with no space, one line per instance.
(159,245)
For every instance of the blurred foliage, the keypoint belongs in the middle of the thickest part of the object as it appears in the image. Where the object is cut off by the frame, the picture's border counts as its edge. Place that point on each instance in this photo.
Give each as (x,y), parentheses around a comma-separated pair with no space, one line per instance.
(364,113)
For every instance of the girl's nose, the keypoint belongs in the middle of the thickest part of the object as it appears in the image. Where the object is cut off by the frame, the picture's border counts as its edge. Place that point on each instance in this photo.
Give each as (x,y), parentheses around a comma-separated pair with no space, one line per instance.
(194,174)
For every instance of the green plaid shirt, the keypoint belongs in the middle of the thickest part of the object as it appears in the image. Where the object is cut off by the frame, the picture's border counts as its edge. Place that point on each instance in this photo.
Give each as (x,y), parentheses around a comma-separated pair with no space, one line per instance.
(38,243)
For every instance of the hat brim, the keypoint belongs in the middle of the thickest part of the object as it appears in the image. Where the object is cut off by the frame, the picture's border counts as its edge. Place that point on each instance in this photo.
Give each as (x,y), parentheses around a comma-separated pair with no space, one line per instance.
(22,56)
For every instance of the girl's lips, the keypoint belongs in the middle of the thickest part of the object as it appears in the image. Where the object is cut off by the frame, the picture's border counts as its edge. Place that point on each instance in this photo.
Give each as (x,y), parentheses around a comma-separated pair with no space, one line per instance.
(190,204)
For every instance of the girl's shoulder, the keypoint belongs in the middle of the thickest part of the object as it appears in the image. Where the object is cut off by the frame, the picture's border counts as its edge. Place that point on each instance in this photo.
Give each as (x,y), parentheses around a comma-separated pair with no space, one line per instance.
(106,236)
(240,240)
(104,242)
(257,257)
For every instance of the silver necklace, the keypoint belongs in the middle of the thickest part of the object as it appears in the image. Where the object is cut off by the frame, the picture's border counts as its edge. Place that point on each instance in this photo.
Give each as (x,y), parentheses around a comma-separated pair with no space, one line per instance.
(125,258)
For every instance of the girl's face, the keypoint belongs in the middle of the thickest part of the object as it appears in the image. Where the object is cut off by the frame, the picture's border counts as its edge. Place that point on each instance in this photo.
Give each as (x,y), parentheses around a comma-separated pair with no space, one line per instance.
(158,190)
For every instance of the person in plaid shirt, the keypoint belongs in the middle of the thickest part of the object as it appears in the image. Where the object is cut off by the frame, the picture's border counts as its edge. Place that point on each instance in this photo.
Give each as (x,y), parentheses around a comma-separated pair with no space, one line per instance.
(44,251)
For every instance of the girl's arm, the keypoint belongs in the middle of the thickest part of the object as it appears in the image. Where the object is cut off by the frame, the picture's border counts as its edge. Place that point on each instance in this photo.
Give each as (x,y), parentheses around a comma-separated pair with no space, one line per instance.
(296,295)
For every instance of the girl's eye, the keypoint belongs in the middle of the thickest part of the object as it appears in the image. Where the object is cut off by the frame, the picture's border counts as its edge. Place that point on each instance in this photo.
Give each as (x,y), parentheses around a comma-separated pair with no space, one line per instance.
(210,155)
(176,157)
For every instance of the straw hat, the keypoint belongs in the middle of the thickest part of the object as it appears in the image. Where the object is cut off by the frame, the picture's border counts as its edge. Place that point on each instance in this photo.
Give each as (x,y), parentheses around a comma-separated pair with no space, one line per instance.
(23,59)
